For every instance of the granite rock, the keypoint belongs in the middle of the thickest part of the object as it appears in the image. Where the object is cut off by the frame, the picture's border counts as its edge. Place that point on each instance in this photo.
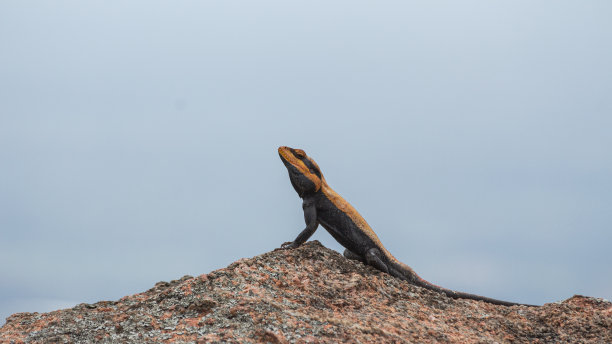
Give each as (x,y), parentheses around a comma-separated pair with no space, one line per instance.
(308,295)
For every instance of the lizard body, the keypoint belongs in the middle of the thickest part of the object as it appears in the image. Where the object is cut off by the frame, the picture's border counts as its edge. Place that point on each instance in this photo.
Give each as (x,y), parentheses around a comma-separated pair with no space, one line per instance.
(322,205)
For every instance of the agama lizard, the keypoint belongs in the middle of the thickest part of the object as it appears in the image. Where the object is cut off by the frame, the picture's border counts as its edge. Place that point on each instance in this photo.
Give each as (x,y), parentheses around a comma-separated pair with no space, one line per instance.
(322,205)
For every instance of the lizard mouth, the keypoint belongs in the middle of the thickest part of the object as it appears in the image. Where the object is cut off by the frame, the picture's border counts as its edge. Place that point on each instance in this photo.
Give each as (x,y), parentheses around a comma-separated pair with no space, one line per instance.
(285,153)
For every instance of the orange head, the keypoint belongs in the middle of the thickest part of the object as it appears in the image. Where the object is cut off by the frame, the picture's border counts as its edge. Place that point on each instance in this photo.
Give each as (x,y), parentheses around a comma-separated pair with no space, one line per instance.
(304,172)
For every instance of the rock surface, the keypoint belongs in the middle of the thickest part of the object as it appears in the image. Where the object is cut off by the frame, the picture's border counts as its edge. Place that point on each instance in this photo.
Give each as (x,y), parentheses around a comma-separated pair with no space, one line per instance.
(308,295)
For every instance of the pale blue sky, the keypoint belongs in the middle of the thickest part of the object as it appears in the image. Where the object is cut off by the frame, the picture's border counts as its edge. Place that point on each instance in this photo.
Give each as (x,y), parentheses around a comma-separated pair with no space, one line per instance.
(138,141)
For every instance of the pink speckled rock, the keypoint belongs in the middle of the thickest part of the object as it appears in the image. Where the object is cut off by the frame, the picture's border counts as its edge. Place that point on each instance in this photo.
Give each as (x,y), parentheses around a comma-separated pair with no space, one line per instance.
(308,295)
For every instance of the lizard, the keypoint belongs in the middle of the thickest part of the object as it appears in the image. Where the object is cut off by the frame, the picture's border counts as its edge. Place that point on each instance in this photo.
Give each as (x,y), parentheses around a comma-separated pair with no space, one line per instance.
(322,205)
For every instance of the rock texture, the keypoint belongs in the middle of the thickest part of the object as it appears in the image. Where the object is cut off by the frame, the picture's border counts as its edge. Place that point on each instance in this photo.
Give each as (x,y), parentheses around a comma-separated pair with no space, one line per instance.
(308,295)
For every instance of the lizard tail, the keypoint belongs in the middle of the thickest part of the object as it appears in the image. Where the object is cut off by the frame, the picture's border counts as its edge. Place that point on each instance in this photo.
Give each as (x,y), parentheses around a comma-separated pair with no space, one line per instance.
(404,272)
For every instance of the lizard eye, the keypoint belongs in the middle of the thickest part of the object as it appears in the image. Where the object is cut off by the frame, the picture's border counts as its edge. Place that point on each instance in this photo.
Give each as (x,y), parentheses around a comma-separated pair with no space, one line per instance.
(299,153)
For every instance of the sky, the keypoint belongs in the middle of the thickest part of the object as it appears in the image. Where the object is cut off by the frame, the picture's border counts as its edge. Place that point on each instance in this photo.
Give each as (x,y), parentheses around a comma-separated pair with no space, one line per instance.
(138,140)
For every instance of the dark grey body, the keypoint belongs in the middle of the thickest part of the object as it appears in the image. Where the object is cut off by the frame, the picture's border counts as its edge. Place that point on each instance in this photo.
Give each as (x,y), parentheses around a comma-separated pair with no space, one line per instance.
(323,206)
(340,225)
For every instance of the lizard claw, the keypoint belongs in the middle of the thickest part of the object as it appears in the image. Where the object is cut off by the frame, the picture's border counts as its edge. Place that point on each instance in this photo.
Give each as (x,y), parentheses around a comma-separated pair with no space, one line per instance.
(289,245)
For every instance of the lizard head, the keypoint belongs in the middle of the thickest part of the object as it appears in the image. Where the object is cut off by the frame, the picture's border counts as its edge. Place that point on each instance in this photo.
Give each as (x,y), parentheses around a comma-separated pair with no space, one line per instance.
(304,172)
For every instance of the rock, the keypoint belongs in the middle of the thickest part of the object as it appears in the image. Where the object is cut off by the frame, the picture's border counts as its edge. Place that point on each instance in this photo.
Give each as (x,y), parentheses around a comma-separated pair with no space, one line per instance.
(310,294)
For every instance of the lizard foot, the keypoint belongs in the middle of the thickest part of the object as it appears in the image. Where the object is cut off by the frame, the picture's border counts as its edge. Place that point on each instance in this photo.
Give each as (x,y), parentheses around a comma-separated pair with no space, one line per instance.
(289,245)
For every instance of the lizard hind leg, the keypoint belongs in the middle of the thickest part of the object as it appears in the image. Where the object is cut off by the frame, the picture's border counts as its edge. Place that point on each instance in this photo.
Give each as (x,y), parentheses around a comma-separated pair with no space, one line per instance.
(373,258)
(348,254)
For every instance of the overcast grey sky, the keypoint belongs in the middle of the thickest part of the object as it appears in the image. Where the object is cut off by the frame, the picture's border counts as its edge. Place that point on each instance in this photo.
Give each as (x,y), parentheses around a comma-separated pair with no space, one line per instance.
(138,140)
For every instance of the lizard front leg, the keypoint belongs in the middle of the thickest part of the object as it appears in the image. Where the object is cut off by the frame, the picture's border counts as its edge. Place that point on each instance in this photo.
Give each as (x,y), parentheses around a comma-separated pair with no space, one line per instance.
(310,217)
